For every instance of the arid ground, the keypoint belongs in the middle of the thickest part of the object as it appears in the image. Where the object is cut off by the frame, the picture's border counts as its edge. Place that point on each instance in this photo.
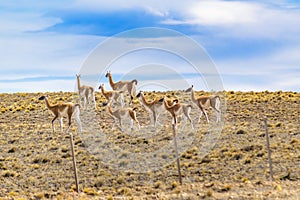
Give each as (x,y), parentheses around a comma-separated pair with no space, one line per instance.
(36,163)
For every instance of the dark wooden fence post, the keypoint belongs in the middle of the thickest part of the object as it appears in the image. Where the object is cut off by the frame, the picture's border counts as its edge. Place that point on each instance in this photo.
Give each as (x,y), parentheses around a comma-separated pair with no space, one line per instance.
(176,151)
(268,148)
(74,163)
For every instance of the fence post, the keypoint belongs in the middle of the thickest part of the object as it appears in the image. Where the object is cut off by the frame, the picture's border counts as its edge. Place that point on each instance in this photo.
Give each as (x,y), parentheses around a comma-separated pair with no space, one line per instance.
(74,163)
(268,148)
(176,151)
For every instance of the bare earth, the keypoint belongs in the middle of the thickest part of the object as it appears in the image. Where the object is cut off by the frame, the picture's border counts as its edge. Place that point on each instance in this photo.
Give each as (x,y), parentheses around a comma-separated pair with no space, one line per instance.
(37,164)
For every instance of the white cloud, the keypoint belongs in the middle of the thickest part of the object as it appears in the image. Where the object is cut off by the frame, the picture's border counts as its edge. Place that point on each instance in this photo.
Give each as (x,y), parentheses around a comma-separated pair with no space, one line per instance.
(276,83)
(283,60)
(40,86)
(97,5)
(155,6)
(251,19)
(44,53)
(24,22)
(287,57)
(156,12)
(125,55)
(241,18)
(289,82)
(231,85)
(222,13)
(277,71)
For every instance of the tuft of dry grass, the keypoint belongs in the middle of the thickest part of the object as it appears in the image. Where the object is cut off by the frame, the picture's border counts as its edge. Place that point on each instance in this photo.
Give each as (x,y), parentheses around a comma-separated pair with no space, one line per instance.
(90,191)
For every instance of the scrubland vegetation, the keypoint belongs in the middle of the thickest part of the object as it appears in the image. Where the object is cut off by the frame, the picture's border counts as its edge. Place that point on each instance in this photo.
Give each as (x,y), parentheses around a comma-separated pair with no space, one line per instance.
(37,164)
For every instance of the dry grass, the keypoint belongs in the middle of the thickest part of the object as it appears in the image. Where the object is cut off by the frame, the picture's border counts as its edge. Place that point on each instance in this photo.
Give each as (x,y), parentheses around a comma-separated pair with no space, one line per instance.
(37,164)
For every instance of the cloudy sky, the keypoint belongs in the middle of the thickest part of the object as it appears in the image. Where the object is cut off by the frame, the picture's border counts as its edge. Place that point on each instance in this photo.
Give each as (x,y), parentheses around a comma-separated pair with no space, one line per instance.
(255,45)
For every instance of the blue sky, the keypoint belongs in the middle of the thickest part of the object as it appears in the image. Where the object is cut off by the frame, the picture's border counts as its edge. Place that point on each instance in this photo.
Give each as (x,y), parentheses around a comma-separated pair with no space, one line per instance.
(255,45)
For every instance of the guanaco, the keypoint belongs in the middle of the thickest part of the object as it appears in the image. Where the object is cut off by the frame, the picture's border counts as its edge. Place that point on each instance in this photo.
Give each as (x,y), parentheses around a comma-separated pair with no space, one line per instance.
(116,96)
(85,92)
(121,114)
(61,110)
(177,109)
(154,107)
(129,86)
(204,103)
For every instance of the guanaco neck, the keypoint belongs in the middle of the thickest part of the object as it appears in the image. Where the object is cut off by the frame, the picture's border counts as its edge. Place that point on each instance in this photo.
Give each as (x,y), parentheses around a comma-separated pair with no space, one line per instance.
(167,106)
(103,90)
(49,106)
(144,101)
(193,96)
(110,109)
(111,82)
(132,115)
(172,108)
(78,83)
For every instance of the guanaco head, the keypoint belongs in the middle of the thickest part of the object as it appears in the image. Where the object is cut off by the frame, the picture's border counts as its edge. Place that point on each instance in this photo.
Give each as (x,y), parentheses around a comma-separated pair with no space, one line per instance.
(42,98)
(189,89)
(101,86)
(77,104)
(107,74)
(139,94)
(134,81)
(161,100)
(78,75)
(169,102)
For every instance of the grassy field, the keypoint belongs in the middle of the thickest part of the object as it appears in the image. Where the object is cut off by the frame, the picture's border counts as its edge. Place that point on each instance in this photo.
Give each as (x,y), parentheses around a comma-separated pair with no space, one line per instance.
(36,163)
